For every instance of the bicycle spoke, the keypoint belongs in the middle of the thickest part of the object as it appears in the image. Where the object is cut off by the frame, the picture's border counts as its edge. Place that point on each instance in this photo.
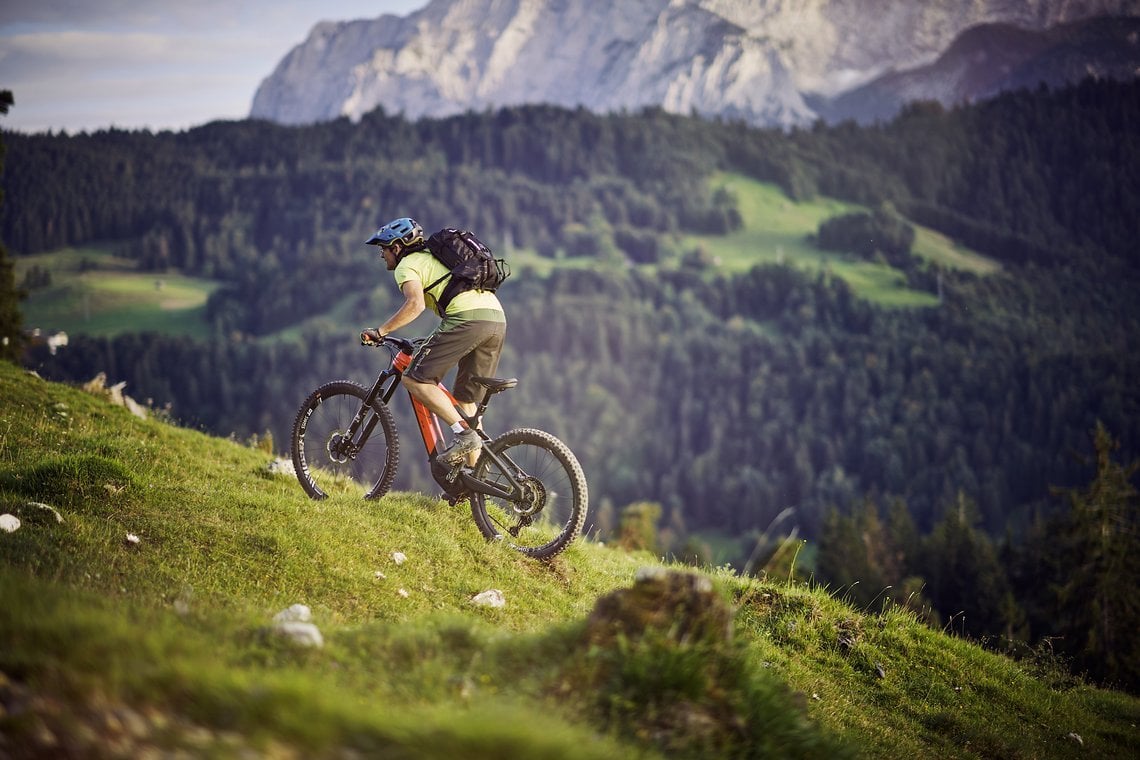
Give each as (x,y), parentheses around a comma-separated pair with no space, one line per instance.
(330,458)
(548,506)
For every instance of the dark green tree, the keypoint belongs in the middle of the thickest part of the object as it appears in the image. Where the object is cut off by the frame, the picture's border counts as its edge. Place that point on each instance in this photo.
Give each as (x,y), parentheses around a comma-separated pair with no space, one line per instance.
(1099,542)
(966,582)
(11,322)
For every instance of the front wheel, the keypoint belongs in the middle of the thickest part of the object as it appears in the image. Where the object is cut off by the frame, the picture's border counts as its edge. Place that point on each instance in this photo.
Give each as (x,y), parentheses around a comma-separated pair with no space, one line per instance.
(549,513)
(330,456)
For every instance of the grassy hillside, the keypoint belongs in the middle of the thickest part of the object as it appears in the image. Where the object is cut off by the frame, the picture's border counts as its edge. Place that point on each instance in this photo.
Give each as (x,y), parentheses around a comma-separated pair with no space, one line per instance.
(95,293)
(775,230)
(115,646)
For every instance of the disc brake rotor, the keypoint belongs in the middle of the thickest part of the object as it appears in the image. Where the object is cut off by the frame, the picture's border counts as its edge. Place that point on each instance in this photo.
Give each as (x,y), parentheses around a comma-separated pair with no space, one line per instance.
(339,448)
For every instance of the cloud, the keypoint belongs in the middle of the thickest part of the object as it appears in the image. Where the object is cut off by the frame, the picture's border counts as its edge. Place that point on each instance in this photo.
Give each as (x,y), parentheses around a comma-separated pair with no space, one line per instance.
(100,14)
(86,64)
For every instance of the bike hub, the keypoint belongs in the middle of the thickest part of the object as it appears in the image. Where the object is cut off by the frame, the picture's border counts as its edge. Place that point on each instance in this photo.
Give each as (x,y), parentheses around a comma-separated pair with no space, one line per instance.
(339,448)
(533,498)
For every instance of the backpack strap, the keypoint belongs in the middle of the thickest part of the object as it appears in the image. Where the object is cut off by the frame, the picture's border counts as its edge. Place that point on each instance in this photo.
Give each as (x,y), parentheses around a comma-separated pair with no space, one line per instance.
(441,279)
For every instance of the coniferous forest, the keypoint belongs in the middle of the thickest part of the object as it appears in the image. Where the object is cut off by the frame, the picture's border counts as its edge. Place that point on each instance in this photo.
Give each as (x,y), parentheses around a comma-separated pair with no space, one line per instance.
(973,459)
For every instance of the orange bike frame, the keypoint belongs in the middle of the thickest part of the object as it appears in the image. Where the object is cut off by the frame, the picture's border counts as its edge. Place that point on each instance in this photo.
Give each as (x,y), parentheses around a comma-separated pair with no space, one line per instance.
(426,420)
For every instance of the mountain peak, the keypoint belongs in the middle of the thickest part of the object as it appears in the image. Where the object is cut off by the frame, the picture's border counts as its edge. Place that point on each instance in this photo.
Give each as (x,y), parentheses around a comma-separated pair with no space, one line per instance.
(757,61)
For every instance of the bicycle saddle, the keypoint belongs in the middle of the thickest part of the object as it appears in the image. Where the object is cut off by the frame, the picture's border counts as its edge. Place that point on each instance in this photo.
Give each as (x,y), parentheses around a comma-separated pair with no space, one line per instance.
(495,384)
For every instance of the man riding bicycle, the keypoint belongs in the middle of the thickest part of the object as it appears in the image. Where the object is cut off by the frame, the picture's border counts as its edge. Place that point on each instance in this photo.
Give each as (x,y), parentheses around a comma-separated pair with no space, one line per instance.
(469,337)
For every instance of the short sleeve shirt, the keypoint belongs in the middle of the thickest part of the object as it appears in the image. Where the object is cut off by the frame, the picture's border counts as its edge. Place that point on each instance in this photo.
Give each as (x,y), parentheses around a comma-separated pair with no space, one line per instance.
(468,306)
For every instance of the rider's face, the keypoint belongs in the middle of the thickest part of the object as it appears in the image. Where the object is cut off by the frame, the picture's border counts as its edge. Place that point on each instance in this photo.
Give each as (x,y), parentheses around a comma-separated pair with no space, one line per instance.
(390,252)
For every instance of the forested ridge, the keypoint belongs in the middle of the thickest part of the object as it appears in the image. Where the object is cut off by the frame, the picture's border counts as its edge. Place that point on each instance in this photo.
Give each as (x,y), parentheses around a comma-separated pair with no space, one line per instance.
(724,398)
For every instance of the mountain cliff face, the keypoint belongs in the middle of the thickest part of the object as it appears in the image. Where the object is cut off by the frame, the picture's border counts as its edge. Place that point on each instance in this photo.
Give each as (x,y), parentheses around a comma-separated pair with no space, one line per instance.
(989,59)
(771,62)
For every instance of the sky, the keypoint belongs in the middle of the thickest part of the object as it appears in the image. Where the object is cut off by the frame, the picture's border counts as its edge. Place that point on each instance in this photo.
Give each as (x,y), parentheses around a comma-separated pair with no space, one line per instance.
(85,65)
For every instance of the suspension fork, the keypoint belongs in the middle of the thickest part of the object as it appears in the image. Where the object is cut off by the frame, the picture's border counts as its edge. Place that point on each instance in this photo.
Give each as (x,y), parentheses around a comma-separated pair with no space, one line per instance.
(366,416)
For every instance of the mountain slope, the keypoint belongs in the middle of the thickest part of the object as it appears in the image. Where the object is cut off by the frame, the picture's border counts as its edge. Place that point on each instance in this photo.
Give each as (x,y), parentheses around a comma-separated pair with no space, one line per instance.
(993,58)
(120,646)
(731,58)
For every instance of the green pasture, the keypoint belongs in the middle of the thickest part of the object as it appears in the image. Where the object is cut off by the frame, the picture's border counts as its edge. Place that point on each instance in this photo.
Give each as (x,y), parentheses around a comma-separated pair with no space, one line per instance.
(96,293)
(775,231)
(939,249)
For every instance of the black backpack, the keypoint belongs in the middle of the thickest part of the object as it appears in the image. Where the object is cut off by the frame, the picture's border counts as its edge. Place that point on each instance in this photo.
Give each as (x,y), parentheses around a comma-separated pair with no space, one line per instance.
(472,265)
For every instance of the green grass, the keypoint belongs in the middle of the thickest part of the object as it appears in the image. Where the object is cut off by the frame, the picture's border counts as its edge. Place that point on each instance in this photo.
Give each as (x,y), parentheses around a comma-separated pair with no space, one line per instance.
(936,247)
(163,645)
(775,231)
(96,293)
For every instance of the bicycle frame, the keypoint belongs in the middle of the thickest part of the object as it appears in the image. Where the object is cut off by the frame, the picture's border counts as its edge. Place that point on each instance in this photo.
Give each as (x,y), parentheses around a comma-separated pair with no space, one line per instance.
(432,433)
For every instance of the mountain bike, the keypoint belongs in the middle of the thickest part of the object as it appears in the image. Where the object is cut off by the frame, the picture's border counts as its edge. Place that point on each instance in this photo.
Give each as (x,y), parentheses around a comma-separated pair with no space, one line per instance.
(526,487)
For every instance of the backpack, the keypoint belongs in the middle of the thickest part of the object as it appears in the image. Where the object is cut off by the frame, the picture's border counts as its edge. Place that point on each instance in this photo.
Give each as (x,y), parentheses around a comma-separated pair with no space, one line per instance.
(472,265)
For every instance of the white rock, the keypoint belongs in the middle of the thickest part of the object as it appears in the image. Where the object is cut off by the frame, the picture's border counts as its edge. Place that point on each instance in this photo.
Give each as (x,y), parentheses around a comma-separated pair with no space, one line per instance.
(650,573)
(46,508)
(132,539)
(399,558)
(298,613)
(300,633)
(490,598)
(281,466)
(380,575)
(402,593)
(9,523)
(135,407)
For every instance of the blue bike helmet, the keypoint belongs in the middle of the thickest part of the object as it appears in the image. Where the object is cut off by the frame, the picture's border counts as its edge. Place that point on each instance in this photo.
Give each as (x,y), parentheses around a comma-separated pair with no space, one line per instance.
(406,230)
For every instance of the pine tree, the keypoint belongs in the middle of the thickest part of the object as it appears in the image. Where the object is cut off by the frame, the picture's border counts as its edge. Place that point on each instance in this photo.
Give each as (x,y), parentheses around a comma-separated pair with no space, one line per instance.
(1099,603)
(966,582)
(11,322)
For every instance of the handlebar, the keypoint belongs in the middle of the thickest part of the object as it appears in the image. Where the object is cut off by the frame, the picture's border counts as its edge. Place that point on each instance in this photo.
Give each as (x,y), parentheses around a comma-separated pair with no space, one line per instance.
(390,342)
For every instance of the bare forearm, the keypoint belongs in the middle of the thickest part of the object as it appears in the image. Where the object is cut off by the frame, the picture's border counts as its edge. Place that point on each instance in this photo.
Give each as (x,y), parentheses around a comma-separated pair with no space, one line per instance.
(405,315)
(411,308)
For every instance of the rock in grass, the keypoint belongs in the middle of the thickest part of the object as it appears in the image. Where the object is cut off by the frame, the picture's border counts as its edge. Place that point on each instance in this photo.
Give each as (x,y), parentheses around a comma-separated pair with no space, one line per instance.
(33,508)
(490,598)
(281,466)
(298,613)
(293,624)
(9,523)
(683,605)
(301,634)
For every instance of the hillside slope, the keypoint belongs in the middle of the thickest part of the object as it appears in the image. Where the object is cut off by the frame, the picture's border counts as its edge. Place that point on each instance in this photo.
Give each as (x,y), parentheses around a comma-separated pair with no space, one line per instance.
(142,619)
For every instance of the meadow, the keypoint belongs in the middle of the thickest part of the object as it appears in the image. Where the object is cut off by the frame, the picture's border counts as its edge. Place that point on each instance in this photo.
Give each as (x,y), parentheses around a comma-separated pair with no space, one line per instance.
(140,590)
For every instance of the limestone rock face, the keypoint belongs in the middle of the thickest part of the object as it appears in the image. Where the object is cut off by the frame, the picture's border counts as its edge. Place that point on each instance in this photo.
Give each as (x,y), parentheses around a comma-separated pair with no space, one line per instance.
(766,62)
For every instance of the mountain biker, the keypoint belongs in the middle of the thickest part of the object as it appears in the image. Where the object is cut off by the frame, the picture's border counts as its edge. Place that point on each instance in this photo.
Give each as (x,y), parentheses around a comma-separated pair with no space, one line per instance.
(469,337)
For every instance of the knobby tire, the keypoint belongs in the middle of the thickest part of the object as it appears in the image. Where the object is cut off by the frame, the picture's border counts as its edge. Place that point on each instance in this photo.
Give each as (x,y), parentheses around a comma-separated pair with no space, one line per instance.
(321,468)
(558,495)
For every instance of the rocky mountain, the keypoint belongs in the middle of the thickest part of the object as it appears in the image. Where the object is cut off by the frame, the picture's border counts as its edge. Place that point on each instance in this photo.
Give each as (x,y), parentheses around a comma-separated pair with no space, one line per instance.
(992,58)
(772,62)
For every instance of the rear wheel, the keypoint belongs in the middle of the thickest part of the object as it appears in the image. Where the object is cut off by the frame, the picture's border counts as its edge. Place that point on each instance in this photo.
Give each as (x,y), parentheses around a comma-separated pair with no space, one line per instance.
(328,459)
(550,511)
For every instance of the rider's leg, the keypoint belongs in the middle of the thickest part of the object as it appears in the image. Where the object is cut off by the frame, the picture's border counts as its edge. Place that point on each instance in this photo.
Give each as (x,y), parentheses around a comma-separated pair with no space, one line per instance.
(469,408)
(433,397)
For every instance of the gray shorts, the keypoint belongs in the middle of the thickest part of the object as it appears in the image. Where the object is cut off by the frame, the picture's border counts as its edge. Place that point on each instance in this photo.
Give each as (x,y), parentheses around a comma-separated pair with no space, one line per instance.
(473,347)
